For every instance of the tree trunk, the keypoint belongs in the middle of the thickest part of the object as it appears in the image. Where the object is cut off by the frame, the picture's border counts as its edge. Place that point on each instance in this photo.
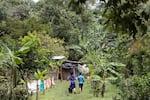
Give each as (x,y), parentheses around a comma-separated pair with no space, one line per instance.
(37,91)
(12,85)
(103,89)
(61,73)
(26,84)
(103,83)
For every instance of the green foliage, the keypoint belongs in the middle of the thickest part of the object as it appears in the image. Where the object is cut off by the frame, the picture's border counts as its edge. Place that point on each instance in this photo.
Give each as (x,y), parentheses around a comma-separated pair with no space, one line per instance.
(135,88)
(34,24)
(75,52)
(38,50)
(95,85)
(126,16)
(77,5)
(30,33)
(18,9)
(10,42)
(2,12)
(55,45)
(22,82)
(20,94)
(65,24)
(95,77)
(12,27)
(40,75)
(27,42)
(11,61)
(129,17)
(17,28)
(3,93)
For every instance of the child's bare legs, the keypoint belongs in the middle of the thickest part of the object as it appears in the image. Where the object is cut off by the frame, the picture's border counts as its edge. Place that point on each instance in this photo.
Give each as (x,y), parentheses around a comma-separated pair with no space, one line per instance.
(74,90)
(80,90)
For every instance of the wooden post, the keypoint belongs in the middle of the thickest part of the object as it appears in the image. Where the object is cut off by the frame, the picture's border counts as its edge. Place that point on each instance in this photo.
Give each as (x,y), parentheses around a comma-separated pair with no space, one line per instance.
(58,71)
(61,73)
(37,91)
(74,71)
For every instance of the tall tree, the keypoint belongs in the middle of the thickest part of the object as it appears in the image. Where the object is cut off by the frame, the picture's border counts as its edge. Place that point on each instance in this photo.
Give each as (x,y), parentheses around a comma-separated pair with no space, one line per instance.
(123,16)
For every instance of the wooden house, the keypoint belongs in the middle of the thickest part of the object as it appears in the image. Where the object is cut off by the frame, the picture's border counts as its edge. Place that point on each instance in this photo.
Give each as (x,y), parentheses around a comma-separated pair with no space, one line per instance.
(67,67)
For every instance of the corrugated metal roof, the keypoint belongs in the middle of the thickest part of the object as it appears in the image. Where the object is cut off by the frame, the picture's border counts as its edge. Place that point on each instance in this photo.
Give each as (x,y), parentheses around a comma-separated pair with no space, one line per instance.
(58,57)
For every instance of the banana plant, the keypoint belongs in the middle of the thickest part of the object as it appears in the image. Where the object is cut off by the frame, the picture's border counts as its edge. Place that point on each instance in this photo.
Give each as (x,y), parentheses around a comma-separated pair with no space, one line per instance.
(54,65)
(10,60)
(40,75)
(108,68)
(102,65)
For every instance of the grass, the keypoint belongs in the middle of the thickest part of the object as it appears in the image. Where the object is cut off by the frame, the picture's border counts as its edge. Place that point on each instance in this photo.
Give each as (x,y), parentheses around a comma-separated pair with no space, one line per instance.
(60,92)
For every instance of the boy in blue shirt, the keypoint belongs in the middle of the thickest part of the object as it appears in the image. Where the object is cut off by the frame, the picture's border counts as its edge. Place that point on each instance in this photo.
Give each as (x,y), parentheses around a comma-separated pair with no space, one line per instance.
(72,83)
(81,81)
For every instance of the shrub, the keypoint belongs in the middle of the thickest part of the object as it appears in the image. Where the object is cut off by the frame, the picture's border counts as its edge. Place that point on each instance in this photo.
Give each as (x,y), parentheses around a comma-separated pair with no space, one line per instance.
(19,94)
(135,88)
(4,93)
(95,85)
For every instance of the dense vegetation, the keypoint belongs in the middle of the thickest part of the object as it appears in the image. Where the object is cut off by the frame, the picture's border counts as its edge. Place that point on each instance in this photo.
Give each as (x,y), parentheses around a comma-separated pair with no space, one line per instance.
(111,36)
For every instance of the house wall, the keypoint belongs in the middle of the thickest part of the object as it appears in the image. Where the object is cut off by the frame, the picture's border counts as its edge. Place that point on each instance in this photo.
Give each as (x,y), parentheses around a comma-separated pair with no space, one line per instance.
(65,73)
